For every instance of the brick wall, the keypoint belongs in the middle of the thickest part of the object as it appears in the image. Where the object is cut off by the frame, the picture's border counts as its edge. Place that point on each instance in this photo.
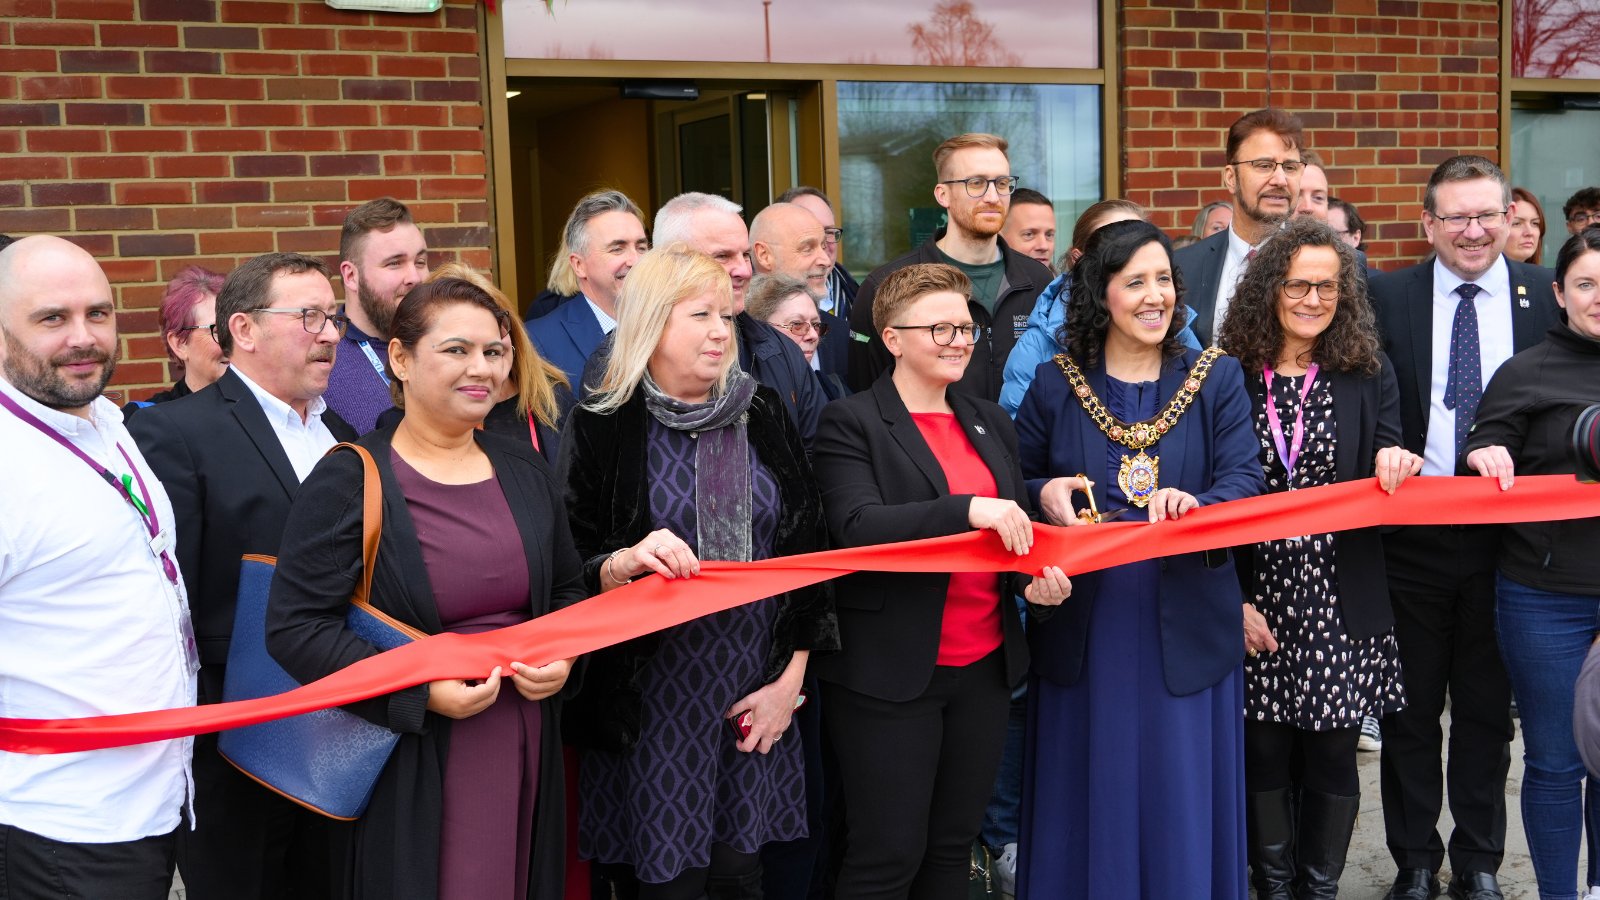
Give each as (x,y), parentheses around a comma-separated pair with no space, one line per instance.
(1387,88)
(159,133)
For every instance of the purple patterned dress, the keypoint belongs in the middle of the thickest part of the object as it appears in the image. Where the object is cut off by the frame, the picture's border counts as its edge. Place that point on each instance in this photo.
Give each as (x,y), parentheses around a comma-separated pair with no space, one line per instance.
(685,785)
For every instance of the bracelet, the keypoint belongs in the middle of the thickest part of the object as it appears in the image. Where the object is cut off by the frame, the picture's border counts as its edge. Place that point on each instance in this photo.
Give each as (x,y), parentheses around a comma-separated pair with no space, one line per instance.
(613,574)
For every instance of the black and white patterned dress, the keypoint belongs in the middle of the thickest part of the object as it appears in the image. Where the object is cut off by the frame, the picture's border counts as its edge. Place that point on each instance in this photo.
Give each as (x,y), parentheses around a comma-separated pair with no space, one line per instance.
(1318,679)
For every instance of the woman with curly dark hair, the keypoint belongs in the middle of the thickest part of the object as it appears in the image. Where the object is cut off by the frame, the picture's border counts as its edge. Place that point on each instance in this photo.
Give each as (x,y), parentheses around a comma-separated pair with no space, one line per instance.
(1325,407)
(1134,774)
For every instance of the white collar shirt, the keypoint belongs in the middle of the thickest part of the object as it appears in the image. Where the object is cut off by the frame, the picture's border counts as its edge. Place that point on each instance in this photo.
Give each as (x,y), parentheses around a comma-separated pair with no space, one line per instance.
(1228,282)
(1494,348)
(607,323)
(89,625)
(305,441)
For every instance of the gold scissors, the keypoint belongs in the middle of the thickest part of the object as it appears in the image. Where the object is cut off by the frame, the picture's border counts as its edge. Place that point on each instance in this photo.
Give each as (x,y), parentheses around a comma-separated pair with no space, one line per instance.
(1093,515)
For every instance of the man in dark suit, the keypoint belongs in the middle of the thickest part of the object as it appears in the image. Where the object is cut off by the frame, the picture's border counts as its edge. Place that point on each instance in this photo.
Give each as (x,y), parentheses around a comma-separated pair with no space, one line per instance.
(1263,177)
(1447,325)
(232,457)
(604,238)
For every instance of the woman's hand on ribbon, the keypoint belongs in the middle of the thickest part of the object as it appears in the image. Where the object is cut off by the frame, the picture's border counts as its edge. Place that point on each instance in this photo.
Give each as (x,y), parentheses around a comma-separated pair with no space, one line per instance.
(1055,499)
(1005,518)
(1171,503)
(661,552)
(1493,461)
(539,682)
(1394,465)
(1048,588)
(457,699)
(1257,636)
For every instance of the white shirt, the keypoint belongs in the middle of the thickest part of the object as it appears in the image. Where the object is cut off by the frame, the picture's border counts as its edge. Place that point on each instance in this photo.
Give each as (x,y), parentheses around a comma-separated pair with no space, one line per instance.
(607,324)
(89,625)
(304,441)
(1494,348)
(1228,282)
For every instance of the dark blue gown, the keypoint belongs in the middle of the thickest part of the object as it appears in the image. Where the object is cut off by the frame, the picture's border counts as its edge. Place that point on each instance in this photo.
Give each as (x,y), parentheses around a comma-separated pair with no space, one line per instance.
(1129,791)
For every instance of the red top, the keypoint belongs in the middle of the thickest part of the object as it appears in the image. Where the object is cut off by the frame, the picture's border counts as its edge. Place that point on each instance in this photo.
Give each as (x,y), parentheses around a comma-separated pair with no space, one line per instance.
(971,626)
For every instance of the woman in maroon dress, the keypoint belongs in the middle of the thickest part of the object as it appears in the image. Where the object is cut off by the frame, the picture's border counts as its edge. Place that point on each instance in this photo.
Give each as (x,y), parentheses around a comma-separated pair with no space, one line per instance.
(475,538)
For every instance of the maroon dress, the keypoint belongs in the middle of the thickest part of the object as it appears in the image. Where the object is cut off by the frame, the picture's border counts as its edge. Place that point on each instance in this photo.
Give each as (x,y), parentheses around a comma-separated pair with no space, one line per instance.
(479,575)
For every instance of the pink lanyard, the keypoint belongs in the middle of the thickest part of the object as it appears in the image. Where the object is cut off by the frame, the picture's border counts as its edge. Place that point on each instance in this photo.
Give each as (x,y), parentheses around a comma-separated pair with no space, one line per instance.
(1291,455)
(533,433)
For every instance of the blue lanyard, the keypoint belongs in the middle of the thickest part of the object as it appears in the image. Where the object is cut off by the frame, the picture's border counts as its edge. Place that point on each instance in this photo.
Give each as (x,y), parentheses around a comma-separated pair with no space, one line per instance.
(372,357)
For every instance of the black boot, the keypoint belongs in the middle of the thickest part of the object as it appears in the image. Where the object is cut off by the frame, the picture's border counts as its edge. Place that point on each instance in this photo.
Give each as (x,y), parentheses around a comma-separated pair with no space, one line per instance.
(1270,826)
(1326,822)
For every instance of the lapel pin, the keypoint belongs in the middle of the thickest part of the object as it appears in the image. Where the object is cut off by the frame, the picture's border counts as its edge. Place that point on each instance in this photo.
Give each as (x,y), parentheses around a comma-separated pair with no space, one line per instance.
(1522,296)
(979,429)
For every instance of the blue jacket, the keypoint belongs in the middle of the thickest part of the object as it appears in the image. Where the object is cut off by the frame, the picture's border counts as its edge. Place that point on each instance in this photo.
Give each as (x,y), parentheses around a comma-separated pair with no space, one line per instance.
(1211,454)
(1038,341)
(566,337)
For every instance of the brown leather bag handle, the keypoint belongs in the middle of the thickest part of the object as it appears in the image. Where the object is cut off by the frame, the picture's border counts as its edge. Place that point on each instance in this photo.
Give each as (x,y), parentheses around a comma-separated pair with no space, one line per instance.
(371,519)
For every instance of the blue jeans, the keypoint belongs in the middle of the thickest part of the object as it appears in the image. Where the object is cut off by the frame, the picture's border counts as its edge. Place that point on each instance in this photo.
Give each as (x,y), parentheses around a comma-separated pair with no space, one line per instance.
(1544,638)
(1003,816)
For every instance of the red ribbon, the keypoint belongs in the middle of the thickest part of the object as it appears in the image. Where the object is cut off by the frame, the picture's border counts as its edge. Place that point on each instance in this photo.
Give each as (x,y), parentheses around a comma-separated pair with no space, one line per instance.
(654,603)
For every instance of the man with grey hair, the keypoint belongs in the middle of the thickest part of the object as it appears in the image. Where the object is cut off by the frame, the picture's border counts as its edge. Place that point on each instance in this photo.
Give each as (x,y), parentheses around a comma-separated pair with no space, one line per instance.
(1448,324)
(93,615)
(604,237)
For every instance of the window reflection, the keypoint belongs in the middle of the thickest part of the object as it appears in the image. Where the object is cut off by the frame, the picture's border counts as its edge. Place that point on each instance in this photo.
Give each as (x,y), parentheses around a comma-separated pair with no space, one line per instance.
(1543,161)
(1555,39)
(887,133)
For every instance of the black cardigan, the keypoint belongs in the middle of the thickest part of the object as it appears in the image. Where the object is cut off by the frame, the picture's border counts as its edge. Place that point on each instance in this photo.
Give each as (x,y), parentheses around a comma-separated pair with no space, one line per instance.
(1366,418)
(603,466)
(1530,407)
(396,843)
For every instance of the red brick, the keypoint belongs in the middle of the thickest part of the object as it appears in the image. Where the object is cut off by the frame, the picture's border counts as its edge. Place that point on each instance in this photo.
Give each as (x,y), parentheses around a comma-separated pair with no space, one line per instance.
(10,141)
(263,64)
(466,116)
(416,164)
(379,139)
(229,140)
(306,140)
(27,61)
(362,190)
(53,34)
(319,14)
(178,10)
(38,168)
(138,35)
(444,140)
(342,64)
(465,67)
(155,245)
(344,165)
(265,116)
(332,215)
(221,37)
(270,12)
(19,221)
(269,166)
(341,115)
(418,116)
(232,191)
(320,240)
(196,62)
(74,194)
(154,192)
(113,218)
(373,40)
(241,242)
(26,9)
(23,114)
(192,166)
(95,10)
(280,216)
(224,87)
(375,89)
(121,166)
(297,39)
(452,188)
(132,87)
(444,42)
(206,217)
(315,189)
(105,114)
(303,89)
(124,61)
(447,91)
(412,67)
(66,140)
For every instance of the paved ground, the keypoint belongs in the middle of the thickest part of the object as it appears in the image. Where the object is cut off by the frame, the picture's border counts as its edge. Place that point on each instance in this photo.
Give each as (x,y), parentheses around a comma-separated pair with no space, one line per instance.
(1370,871)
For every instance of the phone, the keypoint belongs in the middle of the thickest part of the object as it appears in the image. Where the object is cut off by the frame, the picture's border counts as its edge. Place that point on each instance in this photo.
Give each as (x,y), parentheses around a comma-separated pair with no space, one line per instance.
(741,723)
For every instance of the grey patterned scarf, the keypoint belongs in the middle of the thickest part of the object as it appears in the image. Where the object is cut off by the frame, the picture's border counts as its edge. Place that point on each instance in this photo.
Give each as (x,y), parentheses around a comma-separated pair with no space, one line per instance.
(721,461)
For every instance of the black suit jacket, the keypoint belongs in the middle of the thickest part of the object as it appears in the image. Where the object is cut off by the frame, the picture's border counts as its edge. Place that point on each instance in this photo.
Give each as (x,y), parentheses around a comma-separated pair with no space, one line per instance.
(231,485)
(882,483)
(1366,418)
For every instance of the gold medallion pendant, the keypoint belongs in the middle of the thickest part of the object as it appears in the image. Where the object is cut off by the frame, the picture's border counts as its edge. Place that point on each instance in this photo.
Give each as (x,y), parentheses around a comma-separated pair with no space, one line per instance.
(1138,476)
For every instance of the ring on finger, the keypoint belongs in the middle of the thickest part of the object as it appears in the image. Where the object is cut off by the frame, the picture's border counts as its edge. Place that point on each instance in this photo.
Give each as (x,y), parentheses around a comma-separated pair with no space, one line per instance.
(657,549)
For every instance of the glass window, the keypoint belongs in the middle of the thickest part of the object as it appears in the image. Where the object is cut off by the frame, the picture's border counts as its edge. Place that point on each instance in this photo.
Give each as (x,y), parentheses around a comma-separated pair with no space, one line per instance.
(1543,161)
(1031,33)
(1555,39)
(887,133)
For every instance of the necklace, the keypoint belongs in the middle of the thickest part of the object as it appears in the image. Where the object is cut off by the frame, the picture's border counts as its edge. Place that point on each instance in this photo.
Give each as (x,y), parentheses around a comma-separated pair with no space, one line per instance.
(1139,474)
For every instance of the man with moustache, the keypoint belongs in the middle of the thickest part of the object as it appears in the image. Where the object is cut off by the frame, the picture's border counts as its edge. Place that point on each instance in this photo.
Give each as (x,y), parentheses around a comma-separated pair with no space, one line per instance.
(842,286)
(1263,177)
(382,255)
(974,185)
(1031,226)
(1448,324)
(786,239)
(93,615)
(232,457)
(604,237)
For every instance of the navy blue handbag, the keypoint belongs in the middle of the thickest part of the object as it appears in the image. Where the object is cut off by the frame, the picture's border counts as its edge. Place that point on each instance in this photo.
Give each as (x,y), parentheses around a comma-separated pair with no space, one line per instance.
(329,760)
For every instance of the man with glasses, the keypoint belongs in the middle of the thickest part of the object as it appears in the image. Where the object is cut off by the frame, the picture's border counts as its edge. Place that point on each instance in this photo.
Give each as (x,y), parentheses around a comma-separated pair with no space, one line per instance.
(232,457)
(1448,324)
(1582,209)
(1263,177)
(842,287)
(974,184)
(382,255)
(786,239)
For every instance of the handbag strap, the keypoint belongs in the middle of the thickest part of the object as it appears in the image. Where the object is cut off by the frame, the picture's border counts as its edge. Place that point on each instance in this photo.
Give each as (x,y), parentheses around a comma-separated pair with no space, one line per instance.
(371,519)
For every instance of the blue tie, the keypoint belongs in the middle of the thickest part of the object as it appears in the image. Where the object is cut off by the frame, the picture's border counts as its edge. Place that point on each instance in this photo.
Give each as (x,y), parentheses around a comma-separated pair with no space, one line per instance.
(1463,387)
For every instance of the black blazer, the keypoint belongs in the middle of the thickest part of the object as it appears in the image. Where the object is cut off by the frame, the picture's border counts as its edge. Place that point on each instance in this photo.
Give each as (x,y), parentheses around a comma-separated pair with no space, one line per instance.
(396,852)
(883,484)
(231,485)
(1366,418)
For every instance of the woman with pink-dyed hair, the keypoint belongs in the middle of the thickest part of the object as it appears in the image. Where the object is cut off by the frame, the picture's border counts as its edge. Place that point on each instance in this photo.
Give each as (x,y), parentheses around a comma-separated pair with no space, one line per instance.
(188,326)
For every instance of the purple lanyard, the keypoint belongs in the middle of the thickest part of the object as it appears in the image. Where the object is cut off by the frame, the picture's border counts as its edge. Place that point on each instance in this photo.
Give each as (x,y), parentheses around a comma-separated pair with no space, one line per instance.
(140,504)
(1292,454)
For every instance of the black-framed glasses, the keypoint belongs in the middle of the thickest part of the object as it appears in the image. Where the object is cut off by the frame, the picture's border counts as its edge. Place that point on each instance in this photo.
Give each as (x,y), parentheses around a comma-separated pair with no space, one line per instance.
(1265,166)
(978,185)
(944,333)
(799,328)
(311,318)
(1298,288)
(1591,217)
(1458,224)
(208,329)
(831,235)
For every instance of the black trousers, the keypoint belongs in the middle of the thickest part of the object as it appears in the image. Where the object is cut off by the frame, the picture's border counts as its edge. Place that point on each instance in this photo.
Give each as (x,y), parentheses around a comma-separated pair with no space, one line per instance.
(1280,756)
(916,777)
(34,867)
(251,843)
(788,867)
(1442,585)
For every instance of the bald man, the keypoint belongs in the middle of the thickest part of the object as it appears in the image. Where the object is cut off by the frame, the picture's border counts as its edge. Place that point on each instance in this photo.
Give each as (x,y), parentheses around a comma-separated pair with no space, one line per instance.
(788,239)
(93,616)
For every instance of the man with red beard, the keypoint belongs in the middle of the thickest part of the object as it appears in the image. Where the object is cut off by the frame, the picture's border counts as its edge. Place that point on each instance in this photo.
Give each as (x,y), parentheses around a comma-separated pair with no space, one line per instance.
(1263,176)
(974,186)
(382,255)
(232,457)
(93,618)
